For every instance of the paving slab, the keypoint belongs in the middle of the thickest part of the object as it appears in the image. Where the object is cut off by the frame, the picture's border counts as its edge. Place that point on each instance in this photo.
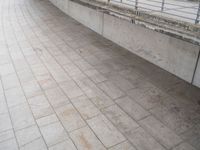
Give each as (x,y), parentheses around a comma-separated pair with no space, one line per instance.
(64,87)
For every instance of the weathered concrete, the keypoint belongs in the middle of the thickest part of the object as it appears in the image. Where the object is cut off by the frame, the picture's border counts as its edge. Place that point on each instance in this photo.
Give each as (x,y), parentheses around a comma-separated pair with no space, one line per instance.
(166,50)
(196,80)
(63,86)
(89,17)
(174,55)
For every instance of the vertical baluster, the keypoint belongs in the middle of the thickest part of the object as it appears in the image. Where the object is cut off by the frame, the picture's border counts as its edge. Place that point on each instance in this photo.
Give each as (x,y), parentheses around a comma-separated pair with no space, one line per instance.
(136,4)
(162,6)
(198,14)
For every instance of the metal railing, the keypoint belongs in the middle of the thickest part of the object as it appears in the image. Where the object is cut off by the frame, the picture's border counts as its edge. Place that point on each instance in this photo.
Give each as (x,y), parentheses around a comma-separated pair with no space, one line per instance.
(178,9)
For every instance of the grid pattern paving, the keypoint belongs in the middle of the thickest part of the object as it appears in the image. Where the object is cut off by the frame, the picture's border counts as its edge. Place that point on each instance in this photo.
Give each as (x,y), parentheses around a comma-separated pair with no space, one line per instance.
(64,87)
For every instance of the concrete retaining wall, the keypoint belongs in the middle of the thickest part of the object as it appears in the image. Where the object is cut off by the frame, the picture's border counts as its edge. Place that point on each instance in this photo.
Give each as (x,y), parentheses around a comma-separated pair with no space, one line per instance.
(172,54)
(196,80)
(89,17)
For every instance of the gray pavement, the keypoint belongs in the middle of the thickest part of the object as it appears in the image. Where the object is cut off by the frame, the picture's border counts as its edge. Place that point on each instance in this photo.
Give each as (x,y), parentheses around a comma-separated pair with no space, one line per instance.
(64,87)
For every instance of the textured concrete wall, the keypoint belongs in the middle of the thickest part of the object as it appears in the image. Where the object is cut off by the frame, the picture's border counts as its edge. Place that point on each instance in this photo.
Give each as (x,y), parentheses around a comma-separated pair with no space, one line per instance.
(174,55)
(88,17)
(196,80)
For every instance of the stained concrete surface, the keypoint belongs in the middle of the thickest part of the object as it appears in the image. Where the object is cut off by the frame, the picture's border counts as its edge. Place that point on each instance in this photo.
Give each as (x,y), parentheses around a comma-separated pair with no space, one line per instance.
(65,87)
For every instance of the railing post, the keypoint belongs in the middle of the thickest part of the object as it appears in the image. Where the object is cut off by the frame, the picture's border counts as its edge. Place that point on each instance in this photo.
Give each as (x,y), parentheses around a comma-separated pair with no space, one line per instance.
(198,14)
(163,3)
(136,4)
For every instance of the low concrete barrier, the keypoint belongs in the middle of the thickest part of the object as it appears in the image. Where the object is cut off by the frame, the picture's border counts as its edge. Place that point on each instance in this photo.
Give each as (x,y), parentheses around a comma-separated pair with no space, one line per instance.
(170,49)
(196,79)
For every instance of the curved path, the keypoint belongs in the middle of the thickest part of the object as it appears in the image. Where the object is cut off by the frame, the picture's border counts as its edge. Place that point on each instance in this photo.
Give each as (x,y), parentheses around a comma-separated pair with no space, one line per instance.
(63,87)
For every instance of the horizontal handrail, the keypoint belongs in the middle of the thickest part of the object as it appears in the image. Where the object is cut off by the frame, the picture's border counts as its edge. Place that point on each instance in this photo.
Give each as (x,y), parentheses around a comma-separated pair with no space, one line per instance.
(181,10)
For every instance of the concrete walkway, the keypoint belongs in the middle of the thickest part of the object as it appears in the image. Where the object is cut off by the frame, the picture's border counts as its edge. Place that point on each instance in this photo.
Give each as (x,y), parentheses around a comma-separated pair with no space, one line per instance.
(63,87)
